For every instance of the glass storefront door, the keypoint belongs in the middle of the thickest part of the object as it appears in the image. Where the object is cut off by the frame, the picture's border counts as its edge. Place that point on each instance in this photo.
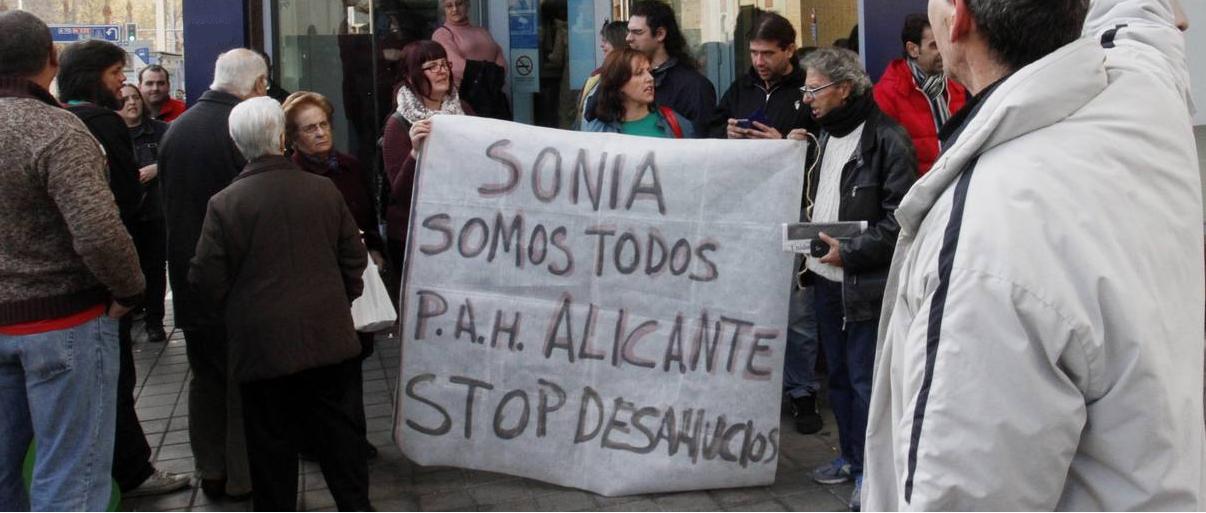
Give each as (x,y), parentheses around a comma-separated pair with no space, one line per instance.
(348,51)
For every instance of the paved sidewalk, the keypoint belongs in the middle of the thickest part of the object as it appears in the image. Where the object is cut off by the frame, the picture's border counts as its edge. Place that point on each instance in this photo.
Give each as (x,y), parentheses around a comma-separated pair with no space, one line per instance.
(399,485)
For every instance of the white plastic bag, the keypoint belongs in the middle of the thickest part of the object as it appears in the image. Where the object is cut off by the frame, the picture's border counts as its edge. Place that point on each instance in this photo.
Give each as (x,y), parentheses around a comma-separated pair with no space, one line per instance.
(373,311)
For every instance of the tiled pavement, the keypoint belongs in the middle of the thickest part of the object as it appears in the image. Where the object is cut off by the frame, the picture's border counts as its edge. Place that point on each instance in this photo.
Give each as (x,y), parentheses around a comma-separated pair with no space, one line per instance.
(399,485)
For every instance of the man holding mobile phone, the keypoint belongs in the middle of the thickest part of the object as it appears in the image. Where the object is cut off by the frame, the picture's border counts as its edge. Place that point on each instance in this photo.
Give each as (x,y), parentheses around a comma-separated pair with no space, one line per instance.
(768,101)
(765,103)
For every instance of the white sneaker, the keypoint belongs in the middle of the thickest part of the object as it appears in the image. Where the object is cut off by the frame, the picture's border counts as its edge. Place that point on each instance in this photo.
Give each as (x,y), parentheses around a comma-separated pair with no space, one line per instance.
(160,482)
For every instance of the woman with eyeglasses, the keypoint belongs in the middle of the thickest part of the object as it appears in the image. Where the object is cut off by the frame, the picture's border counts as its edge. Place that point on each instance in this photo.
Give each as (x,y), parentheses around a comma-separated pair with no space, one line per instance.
(624,101)
(426,88)
(309,134)
(866,166)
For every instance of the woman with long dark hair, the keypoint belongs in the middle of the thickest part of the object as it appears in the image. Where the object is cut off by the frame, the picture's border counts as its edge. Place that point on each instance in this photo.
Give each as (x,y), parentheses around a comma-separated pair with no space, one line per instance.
(624,102)
(425,88)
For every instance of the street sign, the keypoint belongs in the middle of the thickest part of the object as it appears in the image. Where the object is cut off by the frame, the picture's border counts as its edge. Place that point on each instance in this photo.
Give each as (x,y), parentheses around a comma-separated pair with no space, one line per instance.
(77,33)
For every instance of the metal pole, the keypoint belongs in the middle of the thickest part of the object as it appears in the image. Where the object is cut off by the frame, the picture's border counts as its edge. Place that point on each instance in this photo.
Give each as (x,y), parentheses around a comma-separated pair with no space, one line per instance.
(160,27)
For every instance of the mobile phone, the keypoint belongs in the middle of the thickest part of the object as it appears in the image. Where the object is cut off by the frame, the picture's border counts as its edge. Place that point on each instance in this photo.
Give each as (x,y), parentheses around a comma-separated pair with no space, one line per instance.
(758,116)
(818,248)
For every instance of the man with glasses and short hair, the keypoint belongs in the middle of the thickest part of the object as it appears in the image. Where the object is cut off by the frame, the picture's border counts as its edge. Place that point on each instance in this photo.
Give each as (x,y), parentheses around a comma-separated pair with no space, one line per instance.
(866,167)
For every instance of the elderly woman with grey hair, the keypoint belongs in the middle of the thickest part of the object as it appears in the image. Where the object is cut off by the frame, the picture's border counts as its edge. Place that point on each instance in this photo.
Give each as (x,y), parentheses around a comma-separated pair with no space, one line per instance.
(866,166)
(280,255)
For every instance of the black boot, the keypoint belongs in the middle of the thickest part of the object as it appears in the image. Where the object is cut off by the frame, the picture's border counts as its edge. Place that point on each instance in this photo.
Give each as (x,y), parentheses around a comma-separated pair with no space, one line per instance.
(155,333)
(808,421)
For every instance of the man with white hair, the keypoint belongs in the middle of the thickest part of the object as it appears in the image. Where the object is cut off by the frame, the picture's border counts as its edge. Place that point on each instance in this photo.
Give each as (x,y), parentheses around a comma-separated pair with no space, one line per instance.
(196,160)
(1041,344)
(281,255)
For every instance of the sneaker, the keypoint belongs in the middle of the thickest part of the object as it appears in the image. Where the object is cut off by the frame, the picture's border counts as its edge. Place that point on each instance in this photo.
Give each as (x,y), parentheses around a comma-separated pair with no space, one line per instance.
(834,472)
(159,482)
(808,421)
(155,334)
(856,498)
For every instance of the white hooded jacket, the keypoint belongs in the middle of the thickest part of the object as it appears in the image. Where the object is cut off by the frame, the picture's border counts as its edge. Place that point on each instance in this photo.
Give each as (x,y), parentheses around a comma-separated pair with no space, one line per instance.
(1041,343)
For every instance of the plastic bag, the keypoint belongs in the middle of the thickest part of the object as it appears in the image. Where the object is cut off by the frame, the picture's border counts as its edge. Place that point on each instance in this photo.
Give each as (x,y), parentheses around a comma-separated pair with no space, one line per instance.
(373,311)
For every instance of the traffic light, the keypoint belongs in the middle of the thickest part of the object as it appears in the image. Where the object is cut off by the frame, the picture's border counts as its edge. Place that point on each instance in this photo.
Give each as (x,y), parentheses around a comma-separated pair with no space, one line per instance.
(131,32)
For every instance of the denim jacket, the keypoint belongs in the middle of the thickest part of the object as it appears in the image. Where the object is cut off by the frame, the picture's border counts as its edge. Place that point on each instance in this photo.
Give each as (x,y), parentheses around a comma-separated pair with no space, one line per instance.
(615,127)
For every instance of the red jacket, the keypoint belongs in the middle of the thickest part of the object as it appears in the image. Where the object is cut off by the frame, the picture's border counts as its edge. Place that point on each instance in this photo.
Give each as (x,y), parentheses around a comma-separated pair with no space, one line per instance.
(172,109)
(901,98)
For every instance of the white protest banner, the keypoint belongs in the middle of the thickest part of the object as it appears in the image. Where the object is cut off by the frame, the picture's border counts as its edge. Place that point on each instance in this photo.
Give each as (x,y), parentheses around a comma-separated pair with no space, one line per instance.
(597,310)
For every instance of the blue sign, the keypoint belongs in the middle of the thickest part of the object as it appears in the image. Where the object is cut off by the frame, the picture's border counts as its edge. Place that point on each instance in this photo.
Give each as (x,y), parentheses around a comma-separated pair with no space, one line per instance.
(524,24)
(77,33)
(144,54)
(583,40)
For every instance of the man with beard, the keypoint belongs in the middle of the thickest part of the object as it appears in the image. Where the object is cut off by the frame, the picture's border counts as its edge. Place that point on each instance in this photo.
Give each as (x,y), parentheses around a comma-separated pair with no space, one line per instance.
(90,79)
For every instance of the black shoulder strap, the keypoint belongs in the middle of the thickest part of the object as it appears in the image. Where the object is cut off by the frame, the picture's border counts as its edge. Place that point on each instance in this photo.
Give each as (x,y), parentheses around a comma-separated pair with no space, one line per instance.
(1107,39)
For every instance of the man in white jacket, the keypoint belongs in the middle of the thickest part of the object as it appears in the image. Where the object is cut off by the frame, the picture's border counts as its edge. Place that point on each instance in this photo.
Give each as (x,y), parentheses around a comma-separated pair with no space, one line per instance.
(1042,334)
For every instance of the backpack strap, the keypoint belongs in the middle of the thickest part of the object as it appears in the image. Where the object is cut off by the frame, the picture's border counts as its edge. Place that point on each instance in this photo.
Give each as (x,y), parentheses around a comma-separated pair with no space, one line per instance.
(672,120)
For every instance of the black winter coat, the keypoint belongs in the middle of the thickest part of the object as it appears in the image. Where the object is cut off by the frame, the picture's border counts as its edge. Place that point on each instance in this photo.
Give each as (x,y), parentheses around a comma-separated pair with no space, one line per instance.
(110,130)
(877,177)
(687,91)
(147,137)
(197,159)
(782,103)
(281,255)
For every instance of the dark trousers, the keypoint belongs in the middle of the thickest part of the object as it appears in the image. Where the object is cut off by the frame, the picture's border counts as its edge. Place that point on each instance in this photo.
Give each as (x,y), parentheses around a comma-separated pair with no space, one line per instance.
(314,408)
(150,238)
(850,355)
(394,252)
(215,421)
(131,453)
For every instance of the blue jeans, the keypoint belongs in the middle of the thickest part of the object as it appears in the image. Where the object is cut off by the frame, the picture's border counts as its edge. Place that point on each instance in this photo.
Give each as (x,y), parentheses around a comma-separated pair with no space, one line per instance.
(800,363)
(59,388)
(850,354)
